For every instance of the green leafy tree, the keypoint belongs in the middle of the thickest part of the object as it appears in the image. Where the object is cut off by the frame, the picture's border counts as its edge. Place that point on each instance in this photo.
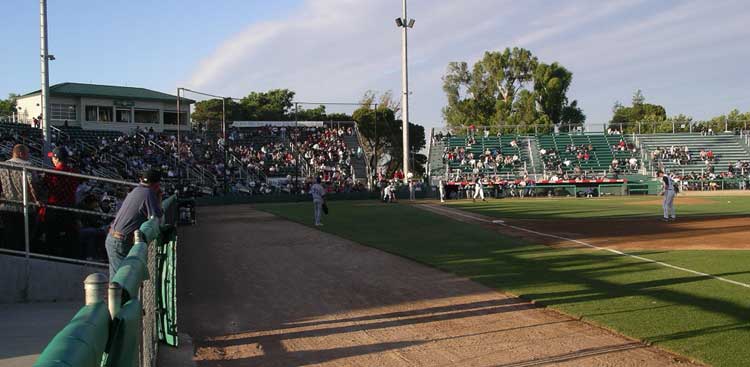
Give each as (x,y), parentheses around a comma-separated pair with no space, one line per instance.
(209,113)
(509,88)
(274,105)
(8,106)
(651,116)
(381,133)
(551,84)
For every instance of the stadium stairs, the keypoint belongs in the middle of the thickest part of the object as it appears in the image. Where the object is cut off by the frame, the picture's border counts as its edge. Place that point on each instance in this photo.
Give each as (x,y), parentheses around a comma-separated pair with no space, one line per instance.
(727,149)
(358,163)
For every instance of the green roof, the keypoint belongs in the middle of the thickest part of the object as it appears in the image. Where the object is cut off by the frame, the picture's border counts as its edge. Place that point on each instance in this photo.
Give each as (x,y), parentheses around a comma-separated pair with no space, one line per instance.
(109,91)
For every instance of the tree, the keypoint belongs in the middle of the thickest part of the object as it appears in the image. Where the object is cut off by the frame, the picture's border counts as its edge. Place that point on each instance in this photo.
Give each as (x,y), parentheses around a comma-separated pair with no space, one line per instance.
(551,83)
(381,132)
(640,112)
(274,105)
(509,88)
(209,112)
(8,106)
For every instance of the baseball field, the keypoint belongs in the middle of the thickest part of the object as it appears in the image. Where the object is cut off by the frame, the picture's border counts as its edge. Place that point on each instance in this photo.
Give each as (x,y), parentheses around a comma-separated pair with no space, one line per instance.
(683,286)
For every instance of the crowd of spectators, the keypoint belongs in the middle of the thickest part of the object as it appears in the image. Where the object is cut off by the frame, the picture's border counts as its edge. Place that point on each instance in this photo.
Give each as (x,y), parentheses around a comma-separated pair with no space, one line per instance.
(491,159)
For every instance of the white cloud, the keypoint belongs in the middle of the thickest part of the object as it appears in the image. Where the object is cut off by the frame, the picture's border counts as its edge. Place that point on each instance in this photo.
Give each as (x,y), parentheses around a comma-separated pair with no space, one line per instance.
(335,50)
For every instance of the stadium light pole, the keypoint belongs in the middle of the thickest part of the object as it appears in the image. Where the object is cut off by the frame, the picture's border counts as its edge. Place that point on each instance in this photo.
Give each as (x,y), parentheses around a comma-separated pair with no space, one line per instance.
(45,57)
(405,23)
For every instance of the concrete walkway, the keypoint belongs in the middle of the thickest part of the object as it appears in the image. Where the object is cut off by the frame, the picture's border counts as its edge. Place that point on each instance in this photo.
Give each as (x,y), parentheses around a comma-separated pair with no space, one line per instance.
(26,328)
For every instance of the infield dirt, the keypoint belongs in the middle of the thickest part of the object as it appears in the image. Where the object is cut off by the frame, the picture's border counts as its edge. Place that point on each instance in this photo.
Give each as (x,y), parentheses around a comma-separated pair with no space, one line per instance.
(257,290)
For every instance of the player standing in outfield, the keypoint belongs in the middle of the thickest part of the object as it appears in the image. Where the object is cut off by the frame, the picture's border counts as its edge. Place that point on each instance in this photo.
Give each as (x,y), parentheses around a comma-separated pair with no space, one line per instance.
(478,190)
(669,189)
(319,198)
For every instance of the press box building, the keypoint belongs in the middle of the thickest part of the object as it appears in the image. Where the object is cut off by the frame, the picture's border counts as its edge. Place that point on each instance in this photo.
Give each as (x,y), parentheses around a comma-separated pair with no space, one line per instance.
(106,107)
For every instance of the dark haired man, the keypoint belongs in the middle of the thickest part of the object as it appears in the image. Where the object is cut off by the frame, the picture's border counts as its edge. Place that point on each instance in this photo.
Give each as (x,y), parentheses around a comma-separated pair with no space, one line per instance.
(62,234)
(142,203)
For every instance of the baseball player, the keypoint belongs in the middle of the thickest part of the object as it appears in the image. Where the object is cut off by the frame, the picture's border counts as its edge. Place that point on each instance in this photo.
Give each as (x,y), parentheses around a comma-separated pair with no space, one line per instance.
(669,189)
(478,190)
(441,191)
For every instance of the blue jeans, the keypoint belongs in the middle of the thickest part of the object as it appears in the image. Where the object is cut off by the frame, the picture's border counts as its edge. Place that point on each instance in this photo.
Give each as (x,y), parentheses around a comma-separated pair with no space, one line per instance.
(117,250)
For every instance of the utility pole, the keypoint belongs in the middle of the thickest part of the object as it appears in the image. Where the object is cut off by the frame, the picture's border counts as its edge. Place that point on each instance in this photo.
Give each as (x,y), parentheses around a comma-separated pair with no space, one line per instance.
(226,142)
(405,23)
(45,75)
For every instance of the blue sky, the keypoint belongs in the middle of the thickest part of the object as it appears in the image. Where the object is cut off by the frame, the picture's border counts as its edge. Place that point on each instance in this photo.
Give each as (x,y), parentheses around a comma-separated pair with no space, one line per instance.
(687,55)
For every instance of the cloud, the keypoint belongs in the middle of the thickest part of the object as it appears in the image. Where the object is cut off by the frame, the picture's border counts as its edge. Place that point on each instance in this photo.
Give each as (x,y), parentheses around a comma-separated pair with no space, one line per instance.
(335,50)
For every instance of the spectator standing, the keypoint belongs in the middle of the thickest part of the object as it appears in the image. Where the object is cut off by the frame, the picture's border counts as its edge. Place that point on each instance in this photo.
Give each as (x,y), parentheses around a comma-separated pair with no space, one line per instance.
(61,231)
(143,202)
(318,195)
(11,191)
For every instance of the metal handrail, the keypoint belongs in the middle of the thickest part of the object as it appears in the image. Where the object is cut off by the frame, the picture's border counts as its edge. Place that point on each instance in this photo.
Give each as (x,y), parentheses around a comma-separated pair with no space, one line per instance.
(63,173)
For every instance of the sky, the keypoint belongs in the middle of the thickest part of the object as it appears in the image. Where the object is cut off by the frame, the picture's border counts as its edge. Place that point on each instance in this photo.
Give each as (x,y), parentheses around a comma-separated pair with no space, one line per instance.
(688,55)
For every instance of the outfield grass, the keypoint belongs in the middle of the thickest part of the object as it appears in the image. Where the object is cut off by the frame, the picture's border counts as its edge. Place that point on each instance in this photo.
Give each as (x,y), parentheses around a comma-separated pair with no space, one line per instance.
(610,207)
(699,317)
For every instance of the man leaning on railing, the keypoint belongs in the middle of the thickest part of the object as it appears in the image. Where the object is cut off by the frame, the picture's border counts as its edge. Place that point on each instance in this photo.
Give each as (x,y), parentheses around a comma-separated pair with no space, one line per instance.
(142,203)
(11,197)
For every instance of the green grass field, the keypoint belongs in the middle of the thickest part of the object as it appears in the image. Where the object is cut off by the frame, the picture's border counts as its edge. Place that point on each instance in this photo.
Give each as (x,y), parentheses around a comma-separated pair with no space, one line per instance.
(610,207)
(695,316)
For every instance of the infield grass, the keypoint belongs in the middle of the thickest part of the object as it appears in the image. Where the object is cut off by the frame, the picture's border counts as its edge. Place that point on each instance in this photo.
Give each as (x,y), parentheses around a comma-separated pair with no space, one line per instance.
(695,316)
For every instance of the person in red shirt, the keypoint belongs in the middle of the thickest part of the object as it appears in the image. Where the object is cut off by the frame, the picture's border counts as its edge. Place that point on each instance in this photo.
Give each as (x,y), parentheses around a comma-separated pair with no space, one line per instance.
(61,231)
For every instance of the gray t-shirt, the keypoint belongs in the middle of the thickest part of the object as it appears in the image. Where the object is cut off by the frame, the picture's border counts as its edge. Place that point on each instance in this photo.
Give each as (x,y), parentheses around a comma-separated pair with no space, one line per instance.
(140,204)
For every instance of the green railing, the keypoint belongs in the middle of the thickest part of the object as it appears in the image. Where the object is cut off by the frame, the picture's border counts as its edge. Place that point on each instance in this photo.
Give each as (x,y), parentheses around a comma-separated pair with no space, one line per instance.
(141,307)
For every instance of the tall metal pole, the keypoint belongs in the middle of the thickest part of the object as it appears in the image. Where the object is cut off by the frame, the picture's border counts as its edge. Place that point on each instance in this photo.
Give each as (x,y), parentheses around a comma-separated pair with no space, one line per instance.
(45,75)
(405,91)
(226,143)
(177,159)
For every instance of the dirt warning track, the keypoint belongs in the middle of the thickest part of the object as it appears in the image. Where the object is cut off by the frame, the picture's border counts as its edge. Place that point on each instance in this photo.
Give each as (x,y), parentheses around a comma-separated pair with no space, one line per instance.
(257,290)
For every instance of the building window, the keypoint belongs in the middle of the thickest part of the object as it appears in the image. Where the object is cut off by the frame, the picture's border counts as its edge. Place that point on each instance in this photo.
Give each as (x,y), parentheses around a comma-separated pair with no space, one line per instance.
(99,113)
(146,116)
(62,112)
(92,112)
(122,115)
(106,114)
(170,118)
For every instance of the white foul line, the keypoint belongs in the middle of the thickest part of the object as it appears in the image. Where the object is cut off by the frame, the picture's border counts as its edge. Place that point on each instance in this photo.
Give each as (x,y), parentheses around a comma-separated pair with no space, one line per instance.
(502,223)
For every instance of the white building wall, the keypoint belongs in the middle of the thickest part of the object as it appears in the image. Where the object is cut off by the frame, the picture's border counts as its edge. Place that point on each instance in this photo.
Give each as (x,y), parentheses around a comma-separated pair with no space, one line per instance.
(30,107)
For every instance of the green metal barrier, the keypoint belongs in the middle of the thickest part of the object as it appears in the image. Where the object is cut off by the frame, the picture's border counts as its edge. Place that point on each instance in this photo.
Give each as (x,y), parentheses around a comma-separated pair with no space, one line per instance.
(167,292)
(82,342)
(91,334)
(133,270)
(124,343)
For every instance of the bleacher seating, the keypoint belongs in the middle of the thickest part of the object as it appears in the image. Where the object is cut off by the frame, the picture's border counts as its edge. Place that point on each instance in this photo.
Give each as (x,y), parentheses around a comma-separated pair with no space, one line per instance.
(500,145)
(727,149)
(601,156)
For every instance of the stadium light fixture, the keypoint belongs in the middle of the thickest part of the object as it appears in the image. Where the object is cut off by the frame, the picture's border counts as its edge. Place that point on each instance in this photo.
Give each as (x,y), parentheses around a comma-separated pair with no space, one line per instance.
(405,23)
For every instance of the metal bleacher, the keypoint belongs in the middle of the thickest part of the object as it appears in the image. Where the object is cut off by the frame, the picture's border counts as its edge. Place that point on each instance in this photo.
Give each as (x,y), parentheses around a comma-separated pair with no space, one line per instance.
(600,157)
(727,149)
(500,144)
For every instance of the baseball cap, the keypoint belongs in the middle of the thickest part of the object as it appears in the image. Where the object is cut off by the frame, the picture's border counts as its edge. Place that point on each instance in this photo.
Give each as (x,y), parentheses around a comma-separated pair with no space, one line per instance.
(151,176)
(60,153)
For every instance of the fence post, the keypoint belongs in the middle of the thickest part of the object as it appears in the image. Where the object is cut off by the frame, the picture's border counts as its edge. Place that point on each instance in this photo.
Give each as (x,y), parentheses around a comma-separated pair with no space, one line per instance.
(95,287)
(115,299)
(24,178)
